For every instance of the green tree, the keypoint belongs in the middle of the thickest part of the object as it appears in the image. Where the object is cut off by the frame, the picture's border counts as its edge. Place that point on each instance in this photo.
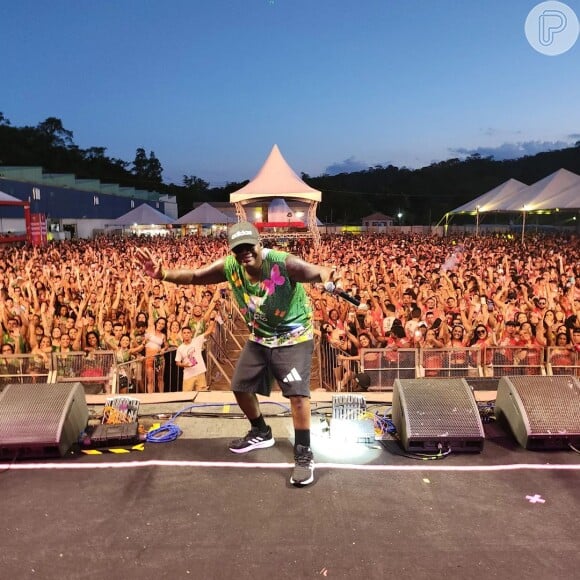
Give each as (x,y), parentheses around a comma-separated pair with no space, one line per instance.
(95,153)
(140,164)
(154,169)
(147,169)
(194,189)
(55,131)
(195,184)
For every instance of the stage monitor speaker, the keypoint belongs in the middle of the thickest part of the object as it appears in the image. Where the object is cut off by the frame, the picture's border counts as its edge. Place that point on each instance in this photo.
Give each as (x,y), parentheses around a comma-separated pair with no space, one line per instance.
(433,415)
(41,420)
(542,412)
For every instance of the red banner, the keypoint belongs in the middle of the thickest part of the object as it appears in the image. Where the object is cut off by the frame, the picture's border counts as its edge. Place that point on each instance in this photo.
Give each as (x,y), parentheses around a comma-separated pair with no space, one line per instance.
(38,229)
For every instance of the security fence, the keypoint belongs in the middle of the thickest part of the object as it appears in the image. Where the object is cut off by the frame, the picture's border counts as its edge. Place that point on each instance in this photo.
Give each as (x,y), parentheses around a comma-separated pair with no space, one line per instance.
(94,369)
(500,361)
(562,361)
(333,369)
(450,362)
(24,368)
(383,366)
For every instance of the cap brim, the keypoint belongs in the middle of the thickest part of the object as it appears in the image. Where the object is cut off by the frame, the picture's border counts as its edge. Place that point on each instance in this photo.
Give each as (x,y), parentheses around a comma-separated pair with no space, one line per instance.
(241,242)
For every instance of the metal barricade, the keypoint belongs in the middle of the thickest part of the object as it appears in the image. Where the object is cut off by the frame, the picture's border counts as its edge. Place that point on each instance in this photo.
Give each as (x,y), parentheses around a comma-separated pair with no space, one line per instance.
(454,362)
(94,369)
(147,374)
(384,365)
(334,371)
(562,361)
(158,373)
(500,361)
(24,369)
(128,377)
(224,345)
(172,380)
(220,366)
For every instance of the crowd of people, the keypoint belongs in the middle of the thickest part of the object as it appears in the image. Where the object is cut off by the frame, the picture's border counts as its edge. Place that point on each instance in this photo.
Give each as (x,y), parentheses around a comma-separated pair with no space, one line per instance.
(416,291)
(457,292)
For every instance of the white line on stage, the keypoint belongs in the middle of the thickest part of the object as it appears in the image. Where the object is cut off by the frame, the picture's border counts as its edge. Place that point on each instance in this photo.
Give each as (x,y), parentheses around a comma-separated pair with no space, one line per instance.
(240,465)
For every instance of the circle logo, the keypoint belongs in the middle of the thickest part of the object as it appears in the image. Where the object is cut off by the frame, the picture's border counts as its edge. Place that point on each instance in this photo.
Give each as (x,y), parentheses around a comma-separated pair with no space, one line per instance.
(552,28)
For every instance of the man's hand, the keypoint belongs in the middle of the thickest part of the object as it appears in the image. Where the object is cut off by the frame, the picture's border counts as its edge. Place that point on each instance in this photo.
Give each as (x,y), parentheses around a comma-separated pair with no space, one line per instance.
(151,266)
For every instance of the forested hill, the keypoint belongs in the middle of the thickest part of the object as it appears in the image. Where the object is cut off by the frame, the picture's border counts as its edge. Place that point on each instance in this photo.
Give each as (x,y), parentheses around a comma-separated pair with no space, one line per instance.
(423,195)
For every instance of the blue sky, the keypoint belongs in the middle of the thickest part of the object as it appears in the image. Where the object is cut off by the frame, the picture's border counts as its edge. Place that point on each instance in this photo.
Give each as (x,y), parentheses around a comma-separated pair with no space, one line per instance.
(211,85)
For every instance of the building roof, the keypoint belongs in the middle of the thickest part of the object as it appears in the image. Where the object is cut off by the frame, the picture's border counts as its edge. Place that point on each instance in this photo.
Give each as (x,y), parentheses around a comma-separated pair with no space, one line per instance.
(205,214)
(143,215)
(377,216)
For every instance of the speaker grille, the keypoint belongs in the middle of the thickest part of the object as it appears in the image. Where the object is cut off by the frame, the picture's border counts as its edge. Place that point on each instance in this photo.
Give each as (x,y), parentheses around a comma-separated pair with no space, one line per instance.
(552,404)
(543,412)
(431,412)
(41,419)
(438,410)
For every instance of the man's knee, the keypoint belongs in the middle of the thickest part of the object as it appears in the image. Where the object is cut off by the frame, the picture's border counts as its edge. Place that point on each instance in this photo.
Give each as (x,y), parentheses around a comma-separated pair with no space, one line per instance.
(299,401)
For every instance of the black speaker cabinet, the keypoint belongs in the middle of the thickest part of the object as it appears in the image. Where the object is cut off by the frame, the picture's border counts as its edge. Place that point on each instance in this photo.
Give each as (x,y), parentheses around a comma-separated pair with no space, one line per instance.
(437,414)
(543,412)
(41,420)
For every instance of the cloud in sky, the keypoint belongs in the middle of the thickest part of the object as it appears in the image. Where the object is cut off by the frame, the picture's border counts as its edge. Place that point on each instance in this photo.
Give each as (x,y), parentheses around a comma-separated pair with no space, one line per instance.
(575,136)
(349,165)
(513,150)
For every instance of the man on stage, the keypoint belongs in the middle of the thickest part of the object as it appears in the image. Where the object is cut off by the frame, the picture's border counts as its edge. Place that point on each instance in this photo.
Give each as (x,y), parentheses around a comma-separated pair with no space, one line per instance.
(267,287)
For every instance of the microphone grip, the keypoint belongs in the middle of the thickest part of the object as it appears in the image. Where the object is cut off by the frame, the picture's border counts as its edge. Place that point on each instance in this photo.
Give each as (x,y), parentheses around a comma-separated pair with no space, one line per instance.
(347,297)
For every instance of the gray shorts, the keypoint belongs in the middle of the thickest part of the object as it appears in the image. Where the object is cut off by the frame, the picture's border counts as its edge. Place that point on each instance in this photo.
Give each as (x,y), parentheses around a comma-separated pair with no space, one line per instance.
(290,365)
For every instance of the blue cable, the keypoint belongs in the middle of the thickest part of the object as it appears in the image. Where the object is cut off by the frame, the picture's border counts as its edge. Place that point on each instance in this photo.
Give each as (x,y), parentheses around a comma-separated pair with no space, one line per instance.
(170,431)
(167,432)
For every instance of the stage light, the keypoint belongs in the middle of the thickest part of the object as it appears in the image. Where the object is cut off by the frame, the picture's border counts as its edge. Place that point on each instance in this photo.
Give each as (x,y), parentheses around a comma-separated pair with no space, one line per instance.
(351,420)
(349,435)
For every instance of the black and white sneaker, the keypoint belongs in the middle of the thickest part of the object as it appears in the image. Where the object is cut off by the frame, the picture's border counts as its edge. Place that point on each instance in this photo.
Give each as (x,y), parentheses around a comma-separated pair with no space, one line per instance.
(254,439)
(303,473)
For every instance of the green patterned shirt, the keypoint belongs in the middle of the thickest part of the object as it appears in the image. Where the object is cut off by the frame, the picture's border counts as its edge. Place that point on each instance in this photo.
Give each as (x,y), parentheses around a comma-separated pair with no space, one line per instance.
(276,309)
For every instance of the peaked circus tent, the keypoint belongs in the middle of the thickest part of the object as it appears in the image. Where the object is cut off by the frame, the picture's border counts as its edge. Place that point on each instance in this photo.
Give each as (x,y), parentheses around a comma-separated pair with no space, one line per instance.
(276,179)
(143,215)
(205,214)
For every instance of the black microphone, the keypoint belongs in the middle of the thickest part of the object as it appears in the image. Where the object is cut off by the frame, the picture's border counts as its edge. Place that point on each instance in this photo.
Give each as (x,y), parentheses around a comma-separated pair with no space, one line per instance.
(331,287)
(345,296)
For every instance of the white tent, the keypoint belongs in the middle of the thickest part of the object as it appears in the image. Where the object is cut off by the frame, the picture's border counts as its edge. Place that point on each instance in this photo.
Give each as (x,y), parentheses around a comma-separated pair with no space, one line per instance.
(5,197)
(494,199)
(279,211)
(556,192)
(205,214)
(143,215)
(276,179)
(559,190)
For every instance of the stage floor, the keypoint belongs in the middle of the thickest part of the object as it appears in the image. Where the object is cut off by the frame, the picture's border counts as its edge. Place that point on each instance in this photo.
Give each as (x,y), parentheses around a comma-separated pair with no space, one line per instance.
(191,509)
